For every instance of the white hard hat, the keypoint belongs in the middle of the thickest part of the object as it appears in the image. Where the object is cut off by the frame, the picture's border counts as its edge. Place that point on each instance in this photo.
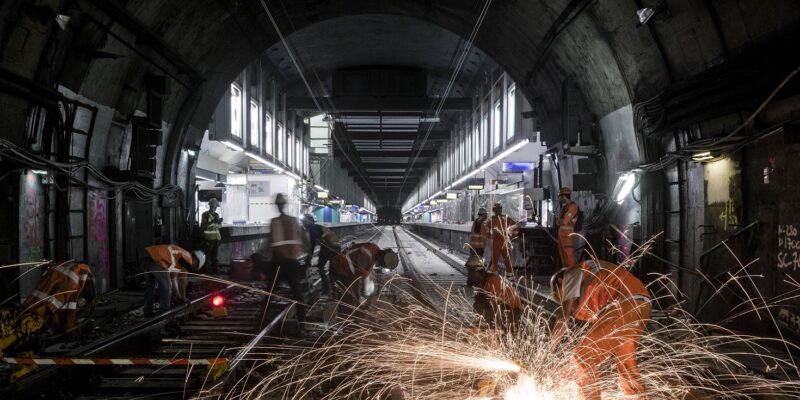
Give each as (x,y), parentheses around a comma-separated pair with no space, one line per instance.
(201,258)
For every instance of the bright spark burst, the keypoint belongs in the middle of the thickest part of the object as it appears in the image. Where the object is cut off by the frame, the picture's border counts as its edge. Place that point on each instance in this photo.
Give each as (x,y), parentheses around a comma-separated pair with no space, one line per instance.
(401,344)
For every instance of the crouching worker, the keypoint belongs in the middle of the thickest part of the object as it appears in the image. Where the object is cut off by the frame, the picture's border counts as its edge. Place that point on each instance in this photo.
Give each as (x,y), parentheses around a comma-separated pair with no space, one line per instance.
(62,290)
(496,300)
(356,262)
(166,267)
(616,305)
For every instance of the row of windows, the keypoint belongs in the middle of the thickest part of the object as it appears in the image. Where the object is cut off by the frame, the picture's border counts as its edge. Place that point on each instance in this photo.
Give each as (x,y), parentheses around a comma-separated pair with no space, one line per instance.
(471,146)
(289,148)
(481,134)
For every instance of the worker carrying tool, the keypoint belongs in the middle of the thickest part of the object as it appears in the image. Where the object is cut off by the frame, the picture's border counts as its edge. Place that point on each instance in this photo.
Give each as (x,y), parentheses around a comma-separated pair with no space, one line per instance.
(502,229)
(285,242)
(166,267)
(210,223)
(328,247)
(356,262)
(495,299)
(478,234)
(62,290)
(567,219)
(616,305)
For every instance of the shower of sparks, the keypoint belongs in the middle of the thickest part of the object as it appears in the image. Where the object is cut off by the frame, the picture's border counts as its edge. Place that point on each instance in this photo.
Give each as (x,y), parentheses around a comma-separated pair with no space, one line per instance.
(400,345)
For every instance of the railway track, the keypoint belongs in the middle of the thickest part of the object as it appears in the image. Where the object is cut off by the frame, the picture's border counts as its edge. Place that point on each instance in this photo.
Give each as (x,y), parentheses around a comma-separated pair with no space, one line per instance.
(183,353)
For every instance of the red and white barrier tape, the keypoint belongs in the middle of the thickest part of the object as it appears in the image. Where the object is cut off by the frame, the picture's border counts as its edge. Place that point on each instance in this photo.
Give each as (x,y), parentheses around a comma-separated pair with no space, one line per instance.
(113,361)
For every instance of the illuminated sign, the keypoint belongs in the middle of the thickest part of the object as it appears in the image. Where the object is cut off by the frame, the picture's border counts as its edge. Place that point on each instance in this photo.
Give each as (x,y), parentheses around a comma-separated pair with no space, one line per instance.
(322,195)
(452,196)
(518,166)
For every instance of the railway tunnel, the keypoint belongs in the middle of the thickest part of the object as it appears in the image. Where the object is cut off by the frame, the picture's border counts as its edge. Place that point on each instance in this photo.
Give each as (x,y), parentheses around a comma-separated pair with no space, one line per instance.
(128,124)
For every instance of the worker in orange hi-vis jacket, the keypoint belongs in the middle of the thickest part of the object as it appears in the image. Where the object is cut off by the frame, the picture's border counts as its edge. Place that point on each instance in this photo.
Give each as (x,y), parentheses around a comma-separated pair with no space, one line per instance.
(61,291)
(357,261)
(616,305)
(166,267)
(566,227)
(478,234)
(496,299)
(501,229)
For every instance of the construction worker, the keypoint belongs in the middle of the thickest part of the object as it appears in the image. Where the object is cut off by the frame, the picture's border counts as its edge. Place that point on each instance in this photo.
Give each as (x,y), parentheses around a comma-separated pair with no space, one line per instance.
(210,223)
(61,291)
(495,299)
(566,227)
(477,234)
(328,247)
(166,267)
(285,242)
(616,305)
(501,229)
(358,260)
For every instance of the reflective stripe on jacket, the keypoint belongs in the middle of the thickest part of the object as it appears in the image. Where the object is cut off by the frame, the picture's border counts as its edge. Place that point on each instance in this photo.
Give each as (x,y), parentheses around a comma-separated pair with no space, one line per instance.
(168,256)
(285,237)
(59,288)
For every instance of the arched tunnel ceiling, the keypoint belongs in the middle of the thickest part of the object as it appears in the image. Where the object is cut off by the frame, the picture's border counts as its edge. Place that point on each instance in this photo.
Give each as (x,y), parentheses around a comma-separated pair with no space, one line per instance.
(378,40)
(539,43)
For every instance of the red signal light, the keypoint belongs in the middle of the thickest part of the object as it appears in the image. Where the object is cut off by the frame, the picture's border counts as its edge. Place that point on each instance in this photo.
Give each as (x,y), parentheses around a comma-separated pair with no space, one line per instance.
(217,301)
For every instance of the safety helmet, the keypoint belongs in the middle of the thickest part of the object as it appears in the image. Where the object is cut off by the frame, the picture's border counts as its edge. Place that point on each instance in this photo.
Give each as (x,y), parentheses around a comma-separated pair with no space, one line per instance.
(213,202)
(474,261)
(280,198)
(390,259)
(497,207)
(201,258)
(308,219)
(481,211)
(565,191)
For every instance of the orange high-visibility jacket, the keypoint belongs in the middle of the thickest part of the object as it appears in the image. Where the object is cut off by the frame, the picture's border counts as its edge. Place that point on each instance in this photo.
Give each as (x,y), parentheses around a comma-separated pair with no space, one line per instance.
(503,292)
(501,229)
(59,290)
(286,237)
(478,234)
(606,283)
(168,256)
(355,261)
(568,217)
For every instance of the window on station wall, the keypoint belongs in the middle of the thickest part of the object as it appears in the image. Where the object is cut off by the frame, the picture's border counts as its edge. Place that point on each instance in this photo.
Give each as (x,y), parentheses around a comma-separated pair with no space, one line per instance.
(510,112)
(290,149)
(306,161)
(476,135)
(298,154)
(320,135)
(236,111)
(485,133)
(496,126)
(254,132)
(268,138)
(281,142)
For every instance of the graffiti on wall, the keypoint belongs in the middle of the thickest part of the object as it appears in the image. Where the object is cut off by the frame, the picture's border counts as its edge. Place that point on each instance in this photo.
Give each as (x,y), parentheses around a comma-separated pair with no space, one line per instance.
(31,230)
(788,248)
(723,194)
(789,319)
(98,238)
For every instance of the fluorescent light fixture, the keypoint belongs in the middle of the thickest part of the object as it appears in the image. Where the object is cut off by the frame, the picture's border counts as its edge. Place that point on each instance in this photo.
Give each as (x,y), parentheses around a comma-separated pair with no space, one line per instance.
(191,152)
(452,196)
(233,146)
(263,161)
(624,187)
(475,187)
(39,171)
(320,188)
(704,156)
(322,195)
(203,178)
